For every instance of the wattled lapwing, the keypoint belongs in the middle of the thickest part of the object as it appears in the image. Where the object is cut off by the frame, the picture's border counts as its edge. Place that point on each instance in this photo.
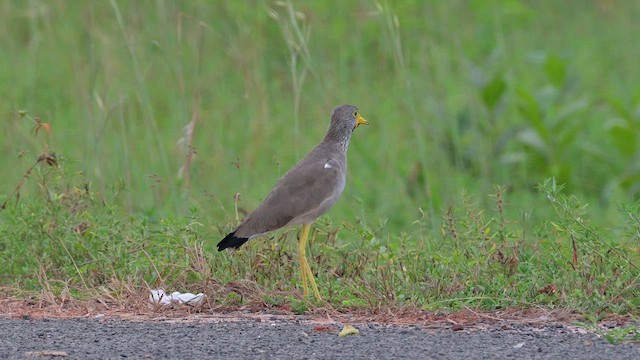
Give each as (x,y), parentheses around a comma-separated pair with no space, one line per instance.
(305,192)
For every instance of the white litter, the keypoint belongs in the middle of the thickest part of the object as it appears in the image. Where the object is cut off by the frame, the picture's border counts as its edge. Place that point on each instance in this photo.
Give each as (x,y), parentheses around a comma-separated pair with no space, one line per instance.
(159,297)
(518,346)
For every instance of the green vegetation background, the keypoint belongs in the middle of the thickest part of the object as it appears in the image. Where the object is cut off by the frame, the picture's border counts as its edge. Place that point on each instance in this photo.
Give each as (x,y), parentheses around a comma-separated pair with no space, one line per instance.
(462,96)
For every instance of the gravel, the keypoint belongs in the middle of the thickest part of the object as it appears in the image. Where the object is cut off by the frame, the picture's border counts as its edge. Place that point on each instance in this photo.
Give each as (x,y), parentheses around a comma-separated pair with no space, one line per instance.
(117,339)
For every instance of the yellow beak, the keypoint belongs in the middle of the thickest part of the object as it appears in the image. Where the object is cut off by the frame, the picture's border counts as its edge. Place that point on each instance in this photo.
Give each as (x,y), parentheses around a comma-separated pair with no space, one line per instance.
(361,121)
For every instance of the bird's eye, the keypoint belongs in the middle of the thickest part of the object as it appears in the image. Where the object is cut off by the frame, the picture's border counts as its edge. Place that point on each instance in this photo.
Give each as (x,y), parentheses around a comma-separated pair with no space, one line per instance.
(355,113)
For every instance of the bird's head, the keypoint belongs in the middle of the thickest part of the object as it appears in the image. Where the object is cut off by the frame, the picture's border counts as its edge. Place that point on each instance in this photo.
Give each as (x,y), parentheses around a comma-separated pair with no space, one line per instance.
(347,117)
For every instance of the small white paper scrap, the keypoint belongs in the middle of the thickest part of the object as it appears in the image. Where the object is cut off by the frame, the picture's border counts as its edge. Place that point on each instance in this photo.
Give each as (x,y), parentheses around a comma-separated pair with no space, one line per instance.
(161,298)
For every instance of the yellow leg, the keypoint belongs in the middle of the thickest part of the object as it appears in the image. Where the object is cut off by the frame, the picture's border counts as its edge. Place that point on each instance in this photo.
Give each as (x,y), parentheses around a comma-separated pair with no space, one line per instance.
(301,261)
(305,269)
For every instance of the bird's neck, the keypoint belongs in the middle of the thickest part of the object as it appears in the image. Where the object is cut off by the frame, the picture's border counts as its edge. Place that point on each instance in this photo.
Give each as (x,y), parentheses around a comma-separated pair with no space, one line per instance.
(337,138)
(338,144)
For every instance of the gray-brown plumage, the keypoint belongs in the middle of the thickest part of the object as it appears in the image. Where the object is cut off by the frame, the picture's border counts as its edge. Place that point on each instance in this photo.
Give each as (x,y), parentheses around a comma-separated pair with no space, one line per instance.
(307,190)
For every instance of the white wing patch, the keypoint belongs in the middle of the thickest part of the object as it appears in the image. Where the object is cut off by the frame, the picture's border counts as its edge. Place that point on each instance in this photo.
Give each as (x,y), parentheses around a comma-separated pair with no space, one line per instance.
(327,165)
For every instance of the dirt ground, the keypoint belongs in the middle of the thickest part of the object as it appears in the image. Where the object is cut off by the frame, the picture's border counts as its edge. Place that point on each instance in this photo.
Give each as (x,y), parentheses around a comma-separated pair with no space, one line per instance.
(138,310)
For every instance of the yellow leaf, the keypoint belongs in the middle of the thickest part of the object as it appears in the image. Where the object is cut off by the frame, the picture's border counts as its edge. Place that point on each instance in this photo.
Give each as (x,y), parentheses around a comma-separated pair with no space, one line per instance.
(348,330)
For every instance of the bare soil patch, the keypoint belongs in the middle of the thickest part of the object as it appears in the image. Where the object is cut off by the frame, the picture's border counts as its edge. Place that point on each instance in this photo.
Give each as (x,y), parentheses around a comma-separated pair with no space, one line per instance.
(143,310)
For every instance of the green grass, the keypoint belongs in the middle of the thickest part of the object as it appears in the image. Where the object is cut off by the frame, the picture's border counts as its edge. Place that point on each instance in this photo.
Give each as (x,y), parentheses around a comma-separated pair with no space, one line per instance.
(474,107)
(69,240)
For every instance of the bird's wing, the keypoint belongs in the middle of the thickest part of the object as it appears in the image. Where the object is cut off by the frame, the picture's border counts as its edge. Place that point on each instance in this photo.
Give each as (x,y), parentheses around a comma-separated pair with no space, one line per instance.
(311,186)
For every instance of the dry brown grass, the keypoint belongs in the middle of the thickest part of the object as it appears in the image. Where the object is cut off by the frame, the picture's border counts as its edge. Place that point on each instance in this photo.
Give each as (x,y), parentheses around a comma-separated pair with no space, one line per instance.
(140,309)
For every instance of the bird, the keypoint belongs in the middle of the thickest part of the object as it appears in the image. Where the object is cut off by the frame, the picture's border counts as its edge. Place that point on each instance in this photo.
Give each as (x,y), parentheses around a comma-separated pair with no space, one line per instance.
(305,192)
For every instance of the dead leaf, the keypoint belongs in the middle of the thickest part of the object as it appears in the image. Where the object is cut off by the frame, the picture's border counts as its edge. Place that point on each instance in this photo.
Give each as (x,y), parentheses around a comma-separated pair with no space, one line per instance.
(324,328)
(49,158)
(348,330)
(549,289)
(42,125)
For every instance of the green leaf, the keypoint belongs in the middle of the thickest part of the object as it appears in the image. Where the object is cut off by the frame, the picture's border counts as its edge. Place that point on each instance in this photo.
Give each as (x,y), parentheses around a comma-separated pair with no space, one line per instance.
(530,110)
(567,137)
(569,109)
(556,70)
(493,91)
(624,139)
(620,109)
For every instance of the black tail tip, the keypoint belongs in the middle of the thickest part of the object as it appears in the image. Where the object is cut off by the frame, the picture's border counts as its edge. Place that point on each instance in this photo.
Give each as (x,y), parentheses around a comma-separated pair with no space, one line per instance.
(231,241)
